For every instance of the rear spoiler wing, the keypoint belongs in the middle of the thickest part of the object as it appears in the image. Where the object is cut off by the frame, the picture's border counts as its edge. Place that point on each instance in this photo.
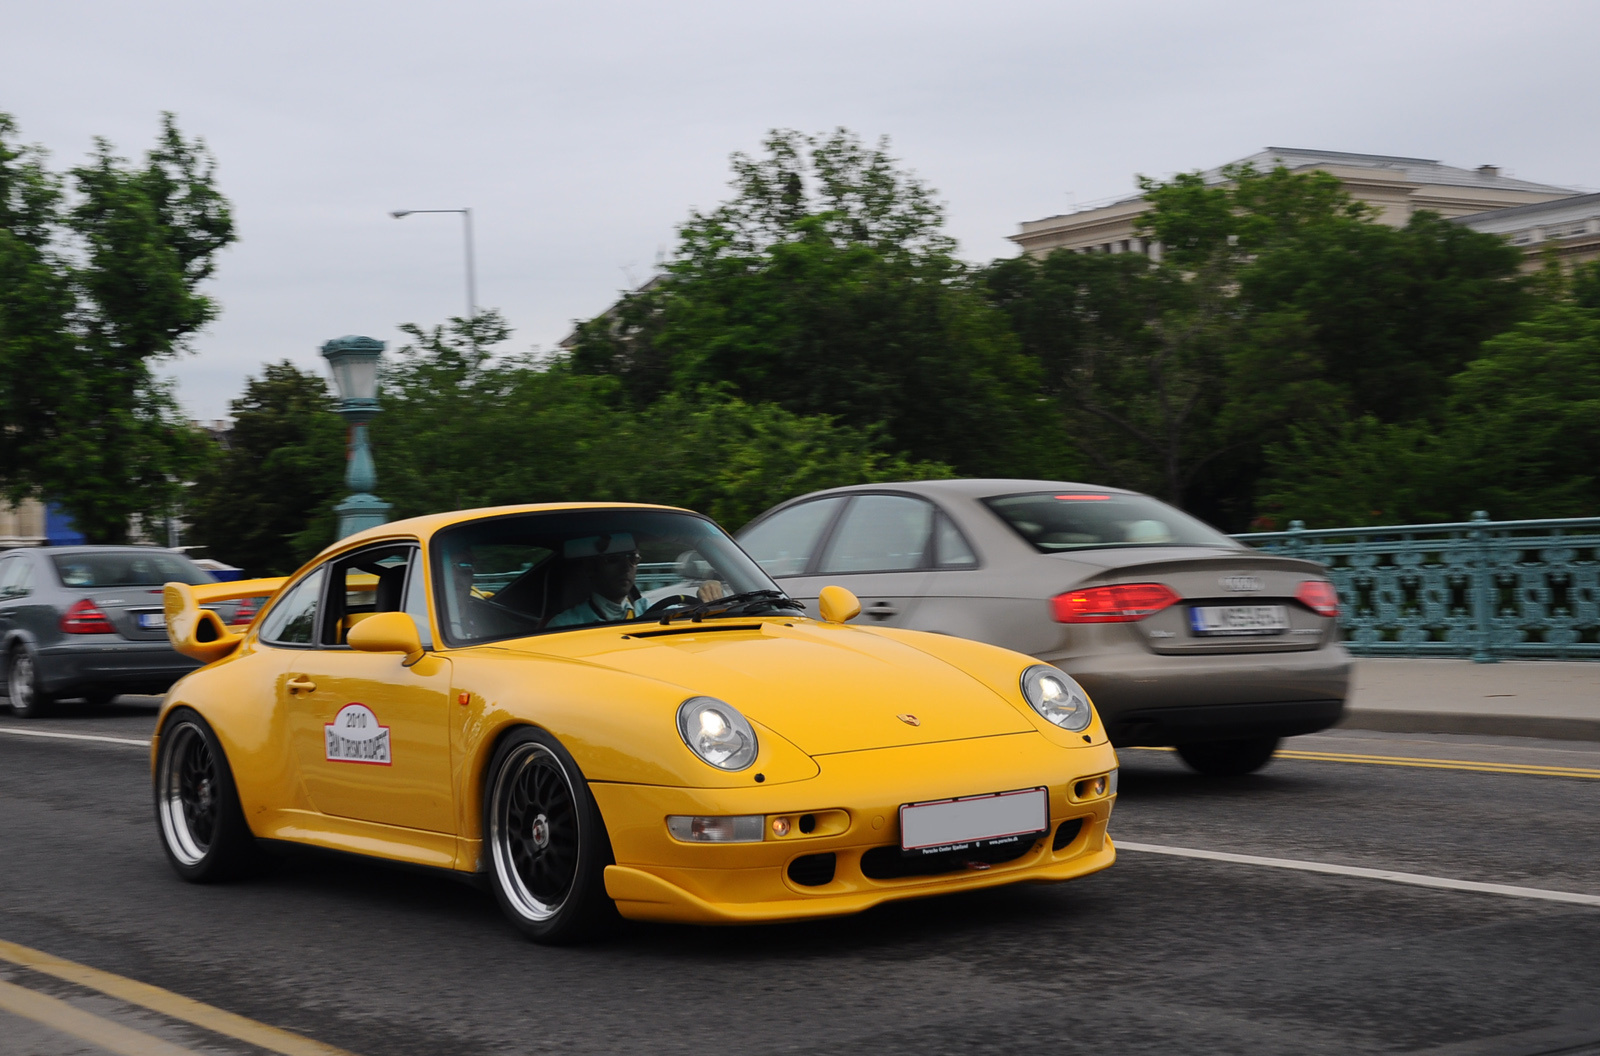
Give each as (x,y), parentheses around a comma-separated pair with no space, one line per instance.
(198,631)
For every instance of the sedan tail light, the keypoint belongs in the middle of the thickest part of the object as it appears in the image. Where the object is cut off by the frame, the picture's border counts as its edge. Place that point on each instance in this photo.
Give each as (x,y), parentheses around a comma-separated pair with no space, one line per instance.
(1122,603)
(245,613)
(1319,596)
(84,618)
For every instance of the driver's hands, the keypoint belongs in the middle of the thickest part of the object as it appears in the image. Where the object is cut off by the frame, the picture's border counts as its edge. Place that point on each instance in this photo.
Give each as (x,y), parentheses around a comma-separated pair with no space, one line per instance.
(711,590)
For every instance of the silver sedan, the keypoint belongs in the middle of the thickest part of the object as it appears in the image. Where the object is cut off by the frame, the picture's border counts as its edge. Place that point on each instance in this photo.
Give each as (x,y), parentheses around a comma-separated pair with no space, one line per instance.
(1181,635)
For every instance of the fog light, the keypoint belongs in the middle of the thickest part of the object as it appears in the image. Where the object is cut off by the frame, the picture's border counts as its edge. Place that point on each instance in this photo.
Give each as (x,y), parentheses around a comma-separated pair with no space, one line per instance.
(740,828)
(780,826)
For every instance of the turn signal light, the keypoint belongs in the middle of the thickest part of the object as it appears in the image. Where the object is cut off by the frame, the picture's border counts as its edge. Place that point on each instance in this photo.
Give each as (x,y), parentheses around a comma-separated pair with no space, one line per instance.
(1122,603)
(1319,596)
(84,618)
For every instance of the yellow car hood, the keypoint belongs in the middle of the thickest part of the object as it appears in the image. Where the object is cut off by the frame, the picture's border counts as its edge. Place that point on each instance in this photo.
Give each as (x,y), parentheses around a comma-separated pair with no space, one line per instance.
(826,688)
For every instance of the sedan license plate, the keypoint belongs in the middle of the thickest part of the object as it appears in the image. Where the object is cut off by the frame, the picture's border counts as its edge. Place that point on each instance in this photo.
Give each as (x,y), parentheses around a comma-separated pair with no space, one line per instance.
(151,621)
(1239,619)
(973,822)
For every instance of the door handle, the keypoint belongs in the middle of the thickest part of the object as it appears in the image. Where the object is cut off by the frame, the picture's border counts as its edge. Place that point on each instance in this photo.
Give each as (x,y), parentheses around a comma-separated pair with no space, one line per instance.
(300,682)
(882,610)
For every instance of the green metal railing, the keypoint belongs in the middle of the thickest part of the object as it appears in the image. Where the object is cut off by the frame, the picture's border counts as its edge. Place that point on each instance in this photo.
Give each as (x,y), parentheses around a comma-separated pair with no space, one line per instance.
(1491,590)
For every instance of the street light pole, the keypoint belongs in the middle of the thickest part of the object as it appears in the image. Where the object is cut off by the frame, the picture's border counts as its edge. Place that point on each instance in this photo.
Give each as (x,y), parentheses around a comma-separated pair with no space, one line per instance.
(355,361)
(466,216)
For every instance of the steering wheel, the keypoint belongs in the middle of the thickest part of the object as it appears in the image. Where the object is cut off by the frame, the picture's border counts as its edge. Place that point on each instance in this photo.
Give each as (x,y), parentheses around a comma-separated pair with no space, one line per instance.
(670,601)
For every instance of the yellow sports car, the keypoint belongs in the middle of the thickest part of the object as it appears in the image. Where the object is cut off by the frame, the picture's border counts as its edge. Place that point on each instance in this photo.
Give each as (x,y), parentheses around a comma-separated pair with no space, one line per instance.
(610,705)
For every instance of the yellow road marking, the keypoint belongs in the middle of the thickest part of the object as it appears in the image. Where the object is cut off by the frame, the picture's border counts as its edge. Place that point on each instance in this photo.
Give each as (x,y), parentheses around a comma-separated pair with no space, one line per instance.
(273,1039)
(1425,763)
(56,1014)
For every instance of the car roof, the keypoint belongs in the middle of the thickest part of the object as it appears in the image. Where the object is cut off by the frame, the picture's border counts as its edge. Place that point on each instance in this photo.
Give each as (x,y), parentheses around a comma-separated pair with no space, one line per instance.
(104,548)
(426,525)
(967,487)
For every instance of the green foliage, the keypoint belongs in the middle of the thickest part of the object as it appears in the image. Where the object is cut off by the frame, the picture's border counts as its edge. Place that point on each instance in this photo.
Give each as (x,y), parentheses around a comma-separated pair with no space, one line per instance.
(92,291)
(265,503)
(825,286)
(462,428)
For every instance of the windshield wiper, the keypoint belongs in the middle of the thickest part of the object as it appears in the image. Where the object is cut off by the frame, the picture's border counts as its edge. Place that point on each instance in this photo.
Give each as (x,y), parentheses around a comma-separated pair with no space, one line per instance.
(739,604)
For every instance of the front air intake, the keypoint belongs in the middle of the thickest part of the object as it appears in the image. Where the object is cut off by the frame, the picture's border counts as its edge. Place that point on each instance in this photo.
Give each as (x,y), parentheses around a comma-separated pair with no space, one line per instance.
(812,870)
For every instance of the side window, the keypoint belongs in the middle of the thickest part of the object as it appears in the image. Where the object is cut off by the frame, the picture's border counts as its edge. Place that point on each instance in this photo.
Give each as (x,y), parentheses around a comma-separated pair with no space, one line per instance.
(881,533)
(293,620)
(950,546)
(416,603)
(10,576)
(782,544)
(363,583)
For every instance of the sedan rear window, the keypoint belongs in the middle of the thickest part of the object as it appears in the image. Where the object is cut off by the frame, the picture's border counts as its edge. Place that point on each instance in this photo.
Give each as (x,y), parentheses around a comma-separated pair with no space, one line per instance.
(127,568)
(1056,522)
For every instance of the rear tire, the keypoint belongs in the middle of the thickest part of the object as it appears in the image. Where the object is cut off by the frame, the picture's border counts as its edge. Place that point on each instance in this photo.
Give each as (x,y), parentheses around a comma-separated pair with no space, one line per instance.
(1229,758)
(545,841)
(198,815)
(28,698)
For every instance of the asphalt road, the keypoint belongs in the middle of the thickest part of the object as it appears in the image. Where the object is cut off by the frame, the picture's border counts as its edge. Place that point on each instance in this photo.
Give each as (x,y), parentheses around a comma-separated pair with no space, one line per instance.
(1159,954)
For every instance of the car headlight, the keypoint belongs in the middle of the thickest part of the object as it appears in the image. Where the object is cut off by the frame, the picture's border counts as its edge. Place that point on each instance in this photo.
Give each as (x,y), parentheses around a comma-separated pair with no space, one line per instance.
(1057,696)
(717,733)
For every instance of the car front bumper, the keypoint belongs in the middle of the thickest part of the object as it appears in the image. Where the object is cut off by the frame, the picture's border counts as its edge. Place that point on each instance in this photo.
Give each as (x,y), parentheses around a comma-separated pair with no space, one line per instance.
(659,878)
(1161,700)
(111,663)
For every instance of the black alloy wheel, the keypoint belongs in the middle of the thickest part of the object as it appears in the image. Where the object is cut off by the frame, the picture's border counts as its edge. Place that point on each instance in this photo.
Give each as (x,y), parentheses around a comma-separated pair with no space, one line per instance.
(28,698)
(1229,758)
(202,826)
(546,841)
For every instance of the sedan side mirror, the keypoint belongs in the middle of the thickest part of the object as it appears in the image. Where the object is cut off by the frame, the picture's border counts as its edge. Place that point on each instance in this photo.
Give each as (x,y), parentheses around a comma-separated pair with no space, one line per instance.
(387,632)
(838,605)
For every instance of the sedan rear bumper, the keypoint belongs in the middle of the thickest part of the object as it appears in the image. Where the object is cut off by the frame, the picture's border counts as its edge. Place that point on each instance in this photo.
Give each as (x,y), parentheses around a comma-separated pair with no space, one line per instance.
(1223,722)
(119,665)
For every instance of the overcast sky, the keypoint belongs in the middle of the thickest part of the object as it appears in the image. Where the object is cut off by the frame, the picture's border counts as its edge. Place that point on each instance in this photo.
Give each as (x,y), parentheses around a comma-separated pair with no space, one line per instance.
(581,134)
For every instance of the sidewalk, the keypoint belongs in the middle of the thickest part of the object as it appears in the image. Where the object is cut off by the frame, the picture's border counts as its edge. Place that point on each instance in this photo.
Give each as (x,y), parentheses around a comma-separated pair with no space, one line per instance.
(1558,699)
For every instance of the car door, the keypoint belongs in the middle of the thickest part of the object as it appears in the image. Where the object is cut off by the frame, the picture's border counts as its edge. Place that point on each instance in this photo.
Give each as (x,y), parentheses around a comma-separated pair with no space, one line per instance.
(369,737)
(11,568)
(875,544)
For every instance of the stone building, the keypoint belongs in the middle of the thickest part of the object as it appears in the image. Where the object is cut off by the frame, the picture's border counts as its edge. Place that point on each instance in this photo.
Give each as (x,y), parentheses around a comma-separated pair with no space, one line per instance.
(1567,229)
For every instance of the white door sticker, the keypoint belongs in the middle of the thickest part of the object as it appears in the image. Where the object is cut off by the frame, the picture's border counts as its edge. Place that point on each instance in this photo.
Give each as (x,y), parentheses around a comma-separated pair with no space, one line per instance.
(354,736)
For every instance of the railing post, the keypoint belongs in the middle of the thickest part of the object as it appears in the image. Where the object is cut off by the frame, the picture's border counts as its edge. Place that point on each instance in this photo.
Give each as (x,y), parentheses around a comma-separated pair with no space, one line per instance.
(1296,543)
(1482,602)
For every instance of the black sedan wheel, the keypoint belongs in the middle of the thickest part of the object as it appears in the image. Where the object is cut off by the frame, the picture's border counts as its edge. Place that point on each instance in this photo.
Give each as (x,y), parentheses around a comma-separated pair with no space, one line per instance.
(197,806)
(546,841)
(1229,758)
(28,700)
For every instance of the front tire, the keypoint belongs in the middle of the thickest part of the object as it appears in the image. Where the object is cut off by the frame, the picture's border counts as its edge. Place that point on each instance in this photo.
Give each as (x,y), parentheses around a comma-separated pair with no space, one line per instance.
(546,842)
(28,698)
(1229,758)
(202,825)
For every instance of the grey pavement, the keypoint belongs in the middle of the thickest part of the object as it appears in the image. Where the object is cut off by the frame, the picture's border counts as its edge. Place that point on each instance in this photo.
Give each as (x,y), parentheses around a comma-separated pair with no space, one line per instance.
(1553,699)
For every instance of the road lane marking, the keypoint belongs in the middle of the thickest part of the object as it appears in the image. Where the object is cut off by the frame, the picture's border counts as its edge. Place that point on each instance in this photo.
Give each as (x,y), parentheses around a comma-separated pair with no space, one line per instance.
(273,1039)
(54,736)
(1390,875)
(59,1016)
(1417,762)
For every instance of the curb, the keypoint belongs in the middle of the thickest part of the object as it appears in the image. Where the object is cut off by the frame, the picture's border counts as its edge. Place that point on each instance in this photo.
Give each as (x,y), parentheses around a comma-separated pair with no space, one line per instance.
(1480,725)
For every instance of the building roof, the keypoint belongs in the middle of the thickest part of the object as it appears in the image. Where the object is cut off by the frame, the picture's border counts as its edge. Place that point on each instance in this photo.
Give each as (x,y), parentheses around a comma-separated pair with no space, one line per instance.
(1500,221)
(1415,170)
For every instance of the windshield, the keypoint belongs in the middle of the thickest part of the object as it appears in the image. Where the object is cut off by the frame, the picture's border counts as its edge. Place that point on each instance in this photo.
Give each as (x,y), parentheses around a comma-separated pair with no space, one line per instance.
(506,577)
(127,568)
(1055,522)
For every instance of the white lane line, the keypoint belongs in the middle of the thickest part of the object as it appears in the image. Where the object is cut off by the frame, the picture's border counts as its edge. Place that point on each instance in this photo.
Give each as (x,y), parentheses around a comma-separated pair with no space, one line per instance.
(54,736)
(1415,879)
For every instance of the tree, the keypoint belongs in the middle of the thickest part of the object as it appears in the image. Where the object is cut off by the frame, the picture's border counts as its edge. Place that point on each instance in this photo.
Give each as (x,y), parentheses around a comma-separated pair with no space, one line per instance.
(93,290)
(825,285)
(265,503)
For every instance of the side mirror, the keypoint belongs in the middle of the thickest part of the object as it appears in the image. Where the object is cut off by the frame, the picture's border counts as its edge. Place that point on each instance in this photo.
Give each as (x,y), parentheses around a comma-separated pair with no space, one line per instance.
(838,605)
(387,632)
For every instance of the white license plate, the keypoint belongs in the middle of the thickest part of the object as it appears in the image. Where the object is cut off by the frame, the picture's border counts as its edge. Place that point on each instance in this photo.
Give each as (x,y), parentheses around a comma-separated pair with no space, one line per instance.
(152,620)
(1239,619)
(974,821)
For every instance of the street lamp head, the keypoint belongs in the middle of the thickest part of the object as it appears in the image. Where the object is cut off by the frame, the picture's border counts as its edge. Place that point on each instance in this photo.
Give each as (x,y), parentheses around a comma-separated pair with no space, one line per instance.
(398,213)
(355,370)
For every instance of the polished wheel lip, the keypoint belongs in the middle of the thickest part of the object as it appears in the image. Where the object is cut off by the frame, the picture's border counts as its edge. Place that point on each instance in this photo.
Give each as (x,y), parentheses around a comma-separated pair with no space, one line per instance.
(20,683)
(181,803)
(518,766)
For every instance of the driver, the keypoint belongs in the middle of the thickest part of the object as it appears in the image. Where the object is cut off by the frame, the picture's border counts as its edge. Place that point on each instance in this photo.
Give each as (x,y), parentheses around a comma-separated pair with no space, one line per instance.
(612,564)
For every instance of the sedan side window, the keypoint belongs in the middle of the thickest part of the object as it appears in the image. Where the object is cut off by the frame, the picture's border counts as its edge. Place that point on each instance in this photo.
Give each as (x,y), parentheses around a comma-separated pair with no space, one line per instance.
(293,620)
(881,533)
(13,572)
(783,543)
(952,548)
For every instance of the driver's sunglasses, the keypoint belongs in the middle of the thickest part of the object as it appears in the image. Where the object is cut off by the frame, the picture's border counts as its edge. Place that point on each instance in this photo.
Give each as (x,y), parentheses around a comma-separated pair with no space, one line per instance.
(629,556)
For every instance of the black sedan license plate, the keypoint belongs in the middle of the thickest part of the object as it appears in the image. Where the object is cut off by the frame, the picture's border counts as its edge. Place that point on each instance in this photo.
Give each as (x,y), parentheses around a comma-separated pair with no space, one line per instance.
(973,822)
(1239,619)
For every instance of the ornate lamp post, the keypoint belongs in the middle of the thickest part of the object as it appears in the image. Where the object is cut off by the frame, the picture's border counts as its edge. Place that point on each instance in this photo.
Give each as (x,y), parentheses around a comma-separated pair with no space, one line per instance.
(355,372)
